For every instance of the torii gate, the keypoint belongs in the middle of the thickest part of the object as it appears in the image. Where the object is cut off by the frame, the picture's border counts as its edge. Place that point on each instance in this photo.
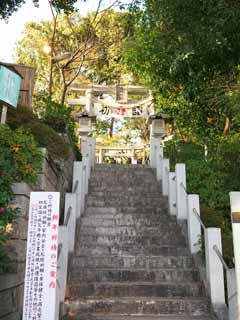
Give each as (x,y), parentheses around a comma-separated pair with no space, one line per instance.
(120,106)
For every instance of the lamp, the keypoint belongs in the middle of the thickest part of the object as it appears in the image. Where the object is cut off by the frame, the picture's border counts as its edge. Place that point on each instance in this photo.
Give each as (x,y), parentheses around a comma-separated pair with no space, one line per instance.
(157,122)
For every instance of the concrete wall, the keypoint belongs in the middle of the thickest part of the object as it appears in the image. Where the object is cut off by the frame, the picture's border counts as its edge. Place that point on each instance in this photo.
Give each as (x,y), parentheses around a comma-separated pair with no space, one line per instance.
(50,178)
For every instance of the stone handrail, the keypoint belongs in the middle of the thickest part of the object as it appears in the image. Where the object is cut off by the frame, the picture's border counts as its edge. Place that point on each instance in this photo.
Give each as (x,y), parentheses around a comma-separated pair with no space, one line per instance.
(186,208)
(74,206)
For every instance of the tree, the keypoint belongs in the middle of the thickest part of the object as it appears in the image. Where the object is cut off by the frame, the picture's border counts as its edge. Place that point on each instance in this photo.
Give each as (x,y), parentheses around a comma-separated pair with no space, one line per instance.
(188,52)
(7,7)
(95,54)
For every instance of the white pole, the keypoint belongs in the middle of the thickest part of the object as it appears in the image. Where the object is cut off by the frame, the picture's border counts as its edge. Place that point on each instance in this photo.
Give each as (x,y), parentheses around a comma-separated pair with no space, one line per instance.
(78,176)
(235,212)
(165,173)
(70,201)
(232,294)
(4,114)
(159,160)
(194,226)
(214,265)
(181,191)
(172,193)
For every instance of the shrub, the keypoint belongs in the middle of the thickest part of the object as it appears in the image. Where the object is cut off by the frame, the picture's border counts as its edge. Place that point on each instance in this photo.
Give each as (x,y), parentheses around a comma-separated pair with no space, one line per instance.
(20,160)
(43,134)
(58,117)
(212,178)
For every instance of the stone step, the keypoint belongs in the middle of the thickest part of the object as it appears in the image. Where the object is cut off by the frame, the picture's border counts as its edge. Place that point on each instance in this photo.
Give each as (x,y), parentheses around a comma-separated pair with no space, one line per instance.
(129,202)
(141,188)
(167,250)
(140,289)
(130,220)
(119,167)
(125,198)
(77,316)
(140,306)
(146,210)
(158,230)
(125,194)
(131,262)
(134,173)
(116,241)
(121,182)
(176,275)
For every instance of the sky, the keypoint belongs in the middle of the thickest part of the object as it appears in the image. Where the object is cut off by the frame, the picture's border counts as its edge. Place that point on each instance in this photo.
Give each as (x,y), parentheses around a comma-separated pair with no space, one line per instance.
(12,31)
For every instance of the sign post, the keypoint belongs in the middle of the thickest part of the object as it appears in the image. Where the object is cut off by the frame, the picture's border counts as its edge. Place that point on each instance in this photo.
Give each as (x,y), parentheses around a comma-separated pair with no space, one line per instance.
(10,83)
(41,262)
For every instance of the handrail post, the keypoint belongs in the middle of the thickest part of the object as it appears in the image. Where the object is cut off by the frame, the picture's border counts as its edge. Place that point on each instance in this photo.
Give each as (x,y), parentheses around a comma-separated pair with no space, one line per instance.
(181,193)
(235,214)
(214,266)
(194,226)
(232,294)
(172,193)
(70,201)
(93,151)
(159,159)
(83,182)
(78,176)
(165,174)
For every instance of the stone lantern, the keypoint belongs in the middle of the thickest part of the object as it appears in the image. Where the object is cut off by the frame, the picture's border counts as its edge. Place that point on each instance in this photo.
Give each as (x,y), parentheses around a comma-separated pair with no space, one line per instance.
(85,124)
(86,140)
(157,122)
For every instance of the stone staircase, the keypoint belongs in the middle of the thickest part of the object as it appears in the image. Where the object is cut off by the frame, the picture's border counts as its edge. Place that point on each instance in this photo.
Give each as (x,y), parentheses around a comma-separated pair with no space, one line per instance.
(131,261)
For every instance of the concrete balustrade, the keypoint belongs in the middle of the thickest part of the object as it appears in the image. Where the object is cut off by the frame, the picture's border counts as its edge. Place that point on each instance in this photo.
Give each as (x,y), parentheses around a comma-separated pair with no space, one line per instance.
(74,206)
(71,218)
(172,193)
(232,295)
(159,161)
(187,207)
(77,183)
(181,191)
(214,266)
(235,214)
(165,178)
(194,225)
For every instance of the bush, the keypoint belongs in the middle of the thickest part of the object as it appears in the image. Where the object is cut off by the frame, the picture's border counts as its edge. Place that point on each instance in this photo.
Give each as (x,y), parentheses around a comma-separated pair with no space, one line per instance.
(58,117)
(20,160)
(43,134)
(212,178)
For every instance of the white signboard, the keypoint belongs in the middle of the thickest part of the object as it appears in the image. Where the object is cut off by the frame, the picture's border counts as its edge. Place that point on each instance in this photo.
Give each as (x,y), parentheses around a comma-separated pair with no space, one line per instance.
(41,261)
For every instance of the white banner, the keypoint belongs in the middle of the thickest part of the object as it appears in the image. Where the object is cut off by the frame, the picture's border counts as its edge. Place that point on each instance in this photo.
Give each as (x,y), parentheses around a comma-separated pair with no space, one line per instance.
(41,261)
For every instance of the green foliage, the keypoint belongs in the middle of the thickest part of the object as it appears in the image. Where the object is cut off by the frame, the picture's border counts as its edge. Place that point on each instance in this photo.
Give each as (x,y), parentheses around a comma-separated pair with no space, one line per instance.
(7,7)
(95,52)
(58,117)
(55,115)
(188,52)
(212,178)
(20,160)
(43,134)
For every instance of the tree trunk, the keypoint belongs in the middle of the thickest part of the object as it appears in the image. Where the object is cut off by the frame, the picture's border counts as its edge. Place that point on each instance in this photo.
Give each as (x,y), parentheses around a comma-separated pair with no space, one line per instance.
(64,92)
(227,126)
(111,127)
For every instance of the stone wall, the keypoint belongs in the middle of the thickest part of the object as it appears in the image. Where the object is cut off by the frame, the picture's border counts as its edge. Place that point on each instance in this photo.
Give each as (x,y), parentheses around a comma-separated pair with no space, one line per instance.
(50,178)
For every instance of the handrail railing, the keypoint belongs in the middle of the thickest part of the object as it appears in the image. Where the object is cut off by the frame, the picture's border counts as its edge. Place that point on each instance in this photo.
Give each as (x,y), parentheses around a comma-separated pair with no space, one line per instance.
(215,248)
(184,188)
(69,211)
(76,186)
(60,246)
(199,219)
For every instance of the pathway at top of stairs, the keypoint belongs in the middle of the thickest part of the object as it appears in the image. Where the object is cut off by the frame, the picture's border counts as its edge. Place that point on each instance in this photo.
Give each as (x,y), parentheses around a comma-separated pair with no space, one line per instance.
(131,261)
